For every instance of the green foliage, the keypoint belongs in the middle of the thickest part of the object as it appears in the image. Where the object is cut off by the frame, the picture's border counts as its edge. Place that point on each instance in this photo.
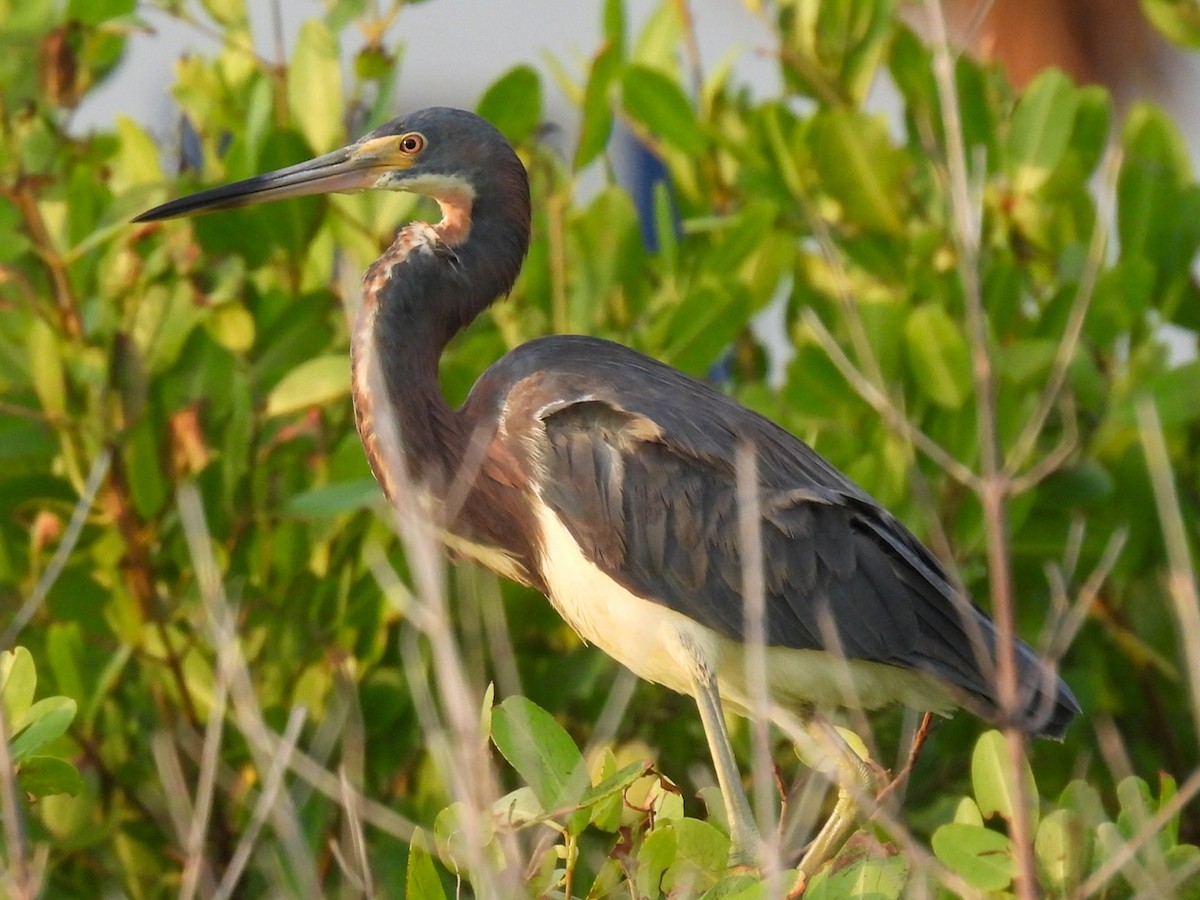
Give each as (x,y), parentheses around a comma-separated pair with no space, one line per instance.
(1075,839)
(183,492)
(31,726)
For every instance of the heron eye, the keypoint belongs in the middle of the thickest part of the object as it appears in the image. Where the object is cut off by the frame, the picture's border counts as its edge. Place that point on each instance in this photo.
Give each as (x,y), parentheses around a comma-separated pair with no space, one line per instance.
(412,144)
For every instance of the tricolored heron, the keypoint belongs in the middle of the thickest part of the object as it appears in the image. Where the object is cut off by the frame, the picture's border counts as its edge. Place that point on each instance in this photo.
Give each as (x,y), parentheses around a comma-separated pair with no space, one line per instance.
(609,481)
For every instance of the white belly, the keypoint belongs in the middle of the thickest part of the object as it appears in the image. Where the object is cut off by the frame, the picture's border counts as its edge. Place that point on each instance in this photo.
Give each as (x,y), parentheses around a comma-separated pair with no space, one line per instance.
(664,646)
(646,637)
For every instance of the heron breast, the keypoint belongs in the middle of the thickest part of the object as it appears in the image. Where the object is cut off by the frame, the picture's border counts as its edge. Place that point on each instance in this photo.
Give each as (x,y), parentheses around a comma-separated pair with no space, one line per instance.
(654,642)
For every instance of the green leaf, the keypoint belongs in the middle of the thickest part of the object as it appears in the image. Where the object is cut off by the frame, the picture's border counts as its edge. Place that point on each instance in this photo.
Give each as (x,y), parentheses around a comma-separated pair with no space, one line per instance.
(541,751)
(613,21)
(97,12)
(1137,805)
(992,780)
(231,326)
(860,876)
(46,367)
(514,103)
(18,681)
(518,808)
(43,722)
(701,855)
(1041,129)
(137,160)
(1156,204)
(860,168)
(984,858)
(597,122)
(658,104)
(657,47)
(226,12)
(1061,847)
(451,835)
(46,775)
(605,799)
(967,812)
(333,499)
(1167,789)
(65,651)
(654,858)
(615,783)
(421,879)
(1179,20)
(314,86)
(314,382)
(701,327)
(1175,392)
(938,355)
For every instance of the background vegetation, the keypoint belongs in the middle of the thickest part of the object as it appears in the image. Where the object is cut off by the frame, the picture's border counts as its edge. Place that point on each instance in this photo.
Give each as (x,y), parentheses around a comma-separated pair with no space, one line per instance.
(224,670)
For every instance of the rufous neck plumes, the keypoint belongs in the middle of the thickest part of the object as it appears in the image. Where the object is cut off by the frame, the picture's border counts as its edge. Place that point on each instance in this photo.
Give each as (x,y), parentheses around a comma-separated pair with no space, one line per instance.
(455,227)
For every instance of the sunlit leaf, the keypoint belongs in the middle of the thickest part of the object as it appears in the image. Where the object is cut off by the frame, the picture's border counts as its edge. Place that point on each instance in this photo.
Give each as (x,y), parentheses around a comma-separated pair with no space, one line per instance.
(18,682)
(1061,847)
(540,750)
(514,103)
(226,12)
(596,125)
(421,879)
(860,876)
(992,778)
(1179,20)
(315,86)
(1041,129)
(658,104)
(701,854)
(981,856)
(859,167)
(333,499)
(938,354)
(46,775)
(315,382)
(43,722)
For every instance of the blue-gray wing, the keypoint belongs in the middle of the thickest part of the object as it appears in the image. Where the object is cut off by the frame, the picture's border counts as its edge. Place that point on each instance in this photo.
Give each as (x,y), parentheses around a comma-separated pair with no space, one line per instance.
(639,463)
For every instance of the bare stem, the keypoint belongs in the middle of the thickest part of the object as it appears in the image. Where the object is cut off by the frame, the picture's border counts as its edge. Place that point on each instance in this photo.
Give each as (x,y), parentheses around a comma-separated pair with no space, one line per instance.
(882,404)
(1181,579)
(967,218)
(21,881)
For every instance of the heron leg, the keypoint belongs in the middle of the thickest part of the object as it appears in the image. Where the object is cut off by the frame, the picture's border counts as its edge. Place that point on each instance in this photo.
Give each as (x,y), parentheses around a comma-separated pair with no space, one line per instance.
(743,834)
(854,780)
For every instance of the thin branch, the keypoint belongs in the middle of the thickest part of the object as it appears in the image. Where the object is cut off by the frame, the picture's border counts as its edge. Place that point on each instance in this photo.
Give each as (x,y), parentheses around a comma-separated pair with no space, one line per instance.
(918,741)
(1027,441)
(280,764)
(62,553)
(967,216)
(882,404)
(247,711)
(1055,459)
(21,882)
(25,200)
(1181,577)
(753,589)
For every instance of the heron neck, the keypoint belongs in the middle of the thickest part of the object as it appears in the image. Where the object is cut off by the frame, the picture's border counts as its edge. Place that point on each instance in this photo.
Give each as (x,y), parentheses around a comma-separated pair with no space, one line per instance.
(416,298)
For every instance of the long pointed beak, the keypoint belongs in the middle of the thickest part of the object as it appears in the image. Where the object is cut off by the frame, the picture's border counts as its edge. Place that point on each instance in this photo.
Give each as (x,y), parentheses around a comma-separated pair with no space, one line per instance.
(358,167)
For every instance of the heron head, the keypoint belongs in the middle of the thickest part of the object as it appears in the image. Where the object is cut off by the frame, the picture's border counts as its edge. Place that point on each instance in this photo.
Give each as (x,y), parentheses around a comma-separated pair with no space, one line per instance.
(449,154)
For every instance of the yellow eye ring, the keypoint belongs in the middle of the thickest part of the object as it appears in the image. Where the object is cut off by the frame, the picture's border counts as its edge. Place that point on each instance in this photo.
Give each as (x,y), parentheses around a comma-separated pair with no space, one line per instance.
(412,144)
